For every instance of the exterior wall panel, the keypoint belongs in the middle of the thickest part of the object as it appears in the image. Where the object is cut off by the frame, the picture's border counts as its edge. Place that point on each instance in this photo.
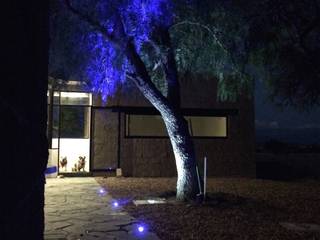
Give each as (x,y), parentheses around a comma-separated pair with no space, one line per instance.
(104,140)
(153,157)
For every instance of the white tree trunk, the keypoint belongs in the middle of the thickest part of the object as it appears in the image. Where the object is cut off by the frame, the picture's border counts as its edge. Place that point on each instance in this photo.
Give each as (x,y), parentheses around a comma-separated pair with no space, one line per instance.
(183,149)
(176,125)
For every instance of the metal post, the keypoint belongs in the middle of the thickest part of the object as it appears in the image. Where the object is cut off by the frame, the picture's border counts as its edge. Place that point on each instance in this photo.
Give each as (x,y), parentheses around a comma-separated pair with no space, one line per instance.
(205,178)
(119,139)
(198,175)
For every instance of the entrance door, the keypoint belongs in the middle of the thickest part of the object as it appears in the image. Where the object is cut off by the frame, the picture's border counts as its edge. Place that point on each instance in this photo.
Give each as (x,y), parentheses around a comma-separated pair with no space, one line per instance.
(74,132)
(105,145)
(74,141)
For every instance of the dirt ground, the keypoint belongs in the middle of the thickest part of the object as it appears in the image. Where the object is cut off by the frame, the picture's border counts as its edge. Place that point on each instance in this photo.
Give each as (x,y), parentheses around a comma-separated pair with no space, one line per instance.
(235,208)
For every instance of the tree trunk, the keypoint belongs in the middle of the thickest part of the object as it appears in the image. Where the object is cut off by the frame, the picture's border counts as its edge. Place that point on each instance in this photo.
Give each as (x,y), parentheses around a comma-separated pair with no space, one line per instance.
(24,151)
(176,125)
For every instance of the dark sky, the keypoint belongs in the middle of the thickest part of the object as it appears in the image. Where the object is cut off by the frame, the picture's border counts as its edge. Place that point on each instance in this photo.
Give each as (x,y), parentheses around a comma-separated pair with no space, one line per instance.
(269,116)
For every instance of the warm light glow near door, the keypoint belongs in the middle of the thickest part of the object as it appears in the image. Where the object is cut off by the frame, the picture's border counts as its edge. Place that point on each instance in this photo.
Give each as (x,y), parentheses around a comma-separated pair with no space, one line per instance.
(74,132)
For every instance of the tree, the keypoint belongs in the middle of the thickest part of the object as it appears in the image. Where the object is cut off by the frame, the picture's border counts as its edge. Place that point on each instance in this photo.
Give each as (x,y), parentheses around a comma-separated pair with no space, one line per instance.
(120,33)
(150,41)
(24,150)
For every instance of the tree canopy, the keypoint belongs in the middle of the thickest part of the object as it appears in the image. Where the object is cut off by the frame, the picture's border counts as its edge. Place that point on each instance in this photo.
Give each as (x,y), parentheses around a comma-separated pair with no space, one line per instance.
(235,41)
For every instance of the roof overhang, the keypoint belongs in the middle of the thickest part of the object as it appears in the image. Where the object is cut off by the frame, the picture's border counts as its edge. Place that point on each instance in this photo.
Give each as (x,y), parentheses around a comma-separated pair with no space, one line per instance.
(185,111)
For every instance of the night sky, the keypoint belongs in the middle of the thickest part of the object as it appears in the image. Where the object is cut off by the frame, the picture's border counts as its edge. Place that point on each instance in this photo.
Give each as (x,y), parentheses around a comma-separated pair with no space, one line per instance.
(288,124)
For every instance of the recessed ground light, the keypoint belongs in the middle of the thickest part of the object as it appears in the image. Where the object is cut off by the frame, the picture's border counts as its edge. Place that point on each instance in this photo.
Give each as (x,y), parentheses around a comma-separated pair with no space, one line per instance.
(140,229)
(149,201)
(102,192)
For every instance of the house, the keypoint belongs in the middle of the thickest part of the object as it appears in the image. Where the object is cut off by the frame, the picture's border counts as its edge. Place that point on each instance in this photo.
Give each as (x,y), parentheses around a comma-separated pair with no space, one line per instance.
(89,136)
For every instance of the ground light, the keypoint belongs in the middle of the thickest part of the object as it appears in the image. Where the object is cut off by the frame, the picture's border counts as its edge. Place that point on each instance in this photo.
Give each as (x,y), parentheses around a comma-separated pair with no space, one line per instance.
(140,229)
(102,192)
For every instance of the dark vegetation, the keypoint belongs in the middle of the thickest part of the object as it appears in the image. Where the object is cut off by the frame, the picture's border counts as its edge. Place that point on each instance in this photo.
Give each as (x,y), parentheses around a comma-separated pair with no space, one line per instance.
(279,160)
(280,147)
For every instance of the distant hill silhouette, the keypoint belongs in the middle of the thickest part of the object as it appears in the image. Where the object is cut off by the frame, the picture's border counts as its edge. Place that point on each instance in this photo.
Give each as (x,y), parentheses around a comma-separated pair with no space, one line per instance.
(303,136)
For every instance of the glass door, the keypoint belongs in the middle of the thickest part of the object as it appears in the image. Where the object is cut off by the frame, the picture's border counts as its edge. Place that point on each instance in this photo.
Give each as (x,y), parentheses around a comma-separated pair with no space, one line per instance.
(74,132)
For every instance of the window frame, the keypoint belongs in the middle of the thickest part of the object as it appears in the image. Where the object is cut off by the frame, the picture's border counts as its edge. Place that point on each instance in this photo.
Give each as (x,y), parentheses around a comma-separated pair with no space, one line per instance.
(51,104)
(167,137)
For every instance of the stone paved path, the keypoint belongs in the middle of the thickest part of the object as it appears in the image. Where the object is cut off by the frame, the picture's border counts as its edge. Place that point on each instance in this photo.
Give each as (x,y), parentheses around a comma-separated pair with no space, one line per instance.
(76,210)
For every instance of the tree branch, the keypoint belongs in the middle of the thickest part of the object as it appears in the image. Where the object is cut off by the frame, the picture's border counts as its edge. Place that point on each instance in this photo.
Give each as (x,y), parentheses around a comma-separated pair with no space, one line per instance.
(93,23)
(204,27)
(141,76)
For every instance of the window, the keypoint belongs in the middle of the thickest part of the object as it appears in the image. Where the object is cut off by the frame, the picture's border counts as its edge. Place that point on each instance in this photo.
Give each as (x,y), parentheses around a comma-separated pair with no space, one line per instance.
(69,115)
(145,126)
(207,126)
(75,98)
(75,122)
(153,126)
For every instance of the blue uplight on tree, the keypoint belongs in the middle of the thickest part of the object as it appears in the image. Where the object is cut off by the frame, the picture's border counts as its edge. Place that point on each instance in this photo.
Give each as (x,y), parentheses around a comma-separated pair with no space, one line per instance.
(108,66)
(130,39)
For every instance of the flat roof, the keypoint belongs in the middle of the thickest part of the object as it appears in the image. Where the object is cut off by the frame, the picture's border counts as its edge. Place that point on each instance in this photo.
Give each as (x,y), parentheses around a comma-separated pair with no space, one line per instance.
(185,111)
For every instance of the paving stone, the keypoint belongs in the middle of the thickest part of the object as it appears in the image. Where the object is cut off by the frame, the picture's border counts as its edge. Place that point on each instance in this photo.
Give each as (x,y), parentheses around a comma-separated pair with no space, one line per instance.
(58,225)
(74,210)
(55,235)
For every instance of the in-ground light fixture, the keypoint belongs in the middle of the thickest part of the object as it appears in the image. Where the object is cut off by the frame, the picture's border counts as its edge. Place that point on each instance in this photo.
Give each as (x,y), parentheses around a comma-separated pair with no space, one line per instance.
(102,192)
(140,229)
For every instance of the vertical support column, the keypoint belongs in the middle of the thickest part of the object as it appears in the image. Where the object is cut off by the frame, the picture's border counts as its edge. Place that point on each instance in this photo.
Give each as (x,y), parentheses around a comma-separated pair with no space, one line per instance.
(205,178)
(50,113)
(119,170)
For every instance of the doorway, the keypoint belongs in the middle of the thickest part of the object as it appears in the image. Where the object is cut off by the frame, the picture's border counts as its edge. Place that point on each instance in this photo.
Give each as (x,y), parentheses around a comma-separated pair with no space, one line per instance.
(69,124)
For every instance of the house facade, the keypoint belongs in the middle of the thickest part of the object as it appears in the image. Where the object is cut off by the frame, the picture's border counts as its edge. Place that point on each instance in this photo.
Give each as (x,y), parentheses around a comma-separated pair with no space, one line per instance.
(126,133)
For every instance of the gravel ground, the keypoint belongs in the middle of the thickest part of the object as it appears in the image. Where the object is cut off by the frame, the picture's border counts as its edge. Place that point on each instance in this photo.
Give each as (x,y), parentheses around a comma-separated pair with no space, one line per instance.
(235,209)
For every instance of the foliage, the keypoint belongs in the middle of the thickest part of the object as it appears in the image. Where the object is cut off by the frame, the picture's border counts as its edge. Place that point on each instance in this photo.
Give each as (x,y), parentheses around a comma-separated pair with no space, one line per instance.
(286,50)
(236,42)
(105,64)
(242,41)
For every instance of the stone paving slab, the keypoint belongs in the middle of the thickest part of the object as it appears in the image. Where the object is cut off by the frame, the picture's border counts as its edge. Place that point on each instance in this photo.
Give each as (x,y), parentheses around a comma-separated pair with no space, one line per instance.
(74,210)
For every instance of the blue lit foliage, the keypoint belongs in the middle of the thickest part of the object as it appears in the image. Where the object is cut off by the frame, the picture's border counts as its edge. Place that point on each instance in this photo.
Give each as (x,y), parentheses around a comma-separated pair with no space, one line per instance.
(107,65)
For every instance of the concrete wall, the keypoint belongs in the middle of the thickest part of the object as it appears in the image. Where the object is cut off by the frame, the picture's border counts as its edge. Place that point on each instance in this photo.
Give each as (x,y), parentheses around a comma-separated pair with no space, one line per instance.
(231,156)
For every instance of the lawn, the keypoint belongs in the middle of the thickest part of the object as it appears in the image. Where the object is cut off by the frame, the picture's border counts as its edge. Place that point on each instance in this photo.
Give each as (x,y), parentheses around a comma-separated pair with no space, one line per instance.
(237,208)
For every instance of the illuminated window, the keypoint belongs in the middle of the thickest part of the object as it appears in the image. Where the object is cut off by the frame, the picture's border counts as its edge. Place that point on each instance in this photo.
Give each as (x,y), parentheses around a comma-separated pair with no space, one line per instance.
(153,126)
(75,98)
(207,126)
(145,126)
